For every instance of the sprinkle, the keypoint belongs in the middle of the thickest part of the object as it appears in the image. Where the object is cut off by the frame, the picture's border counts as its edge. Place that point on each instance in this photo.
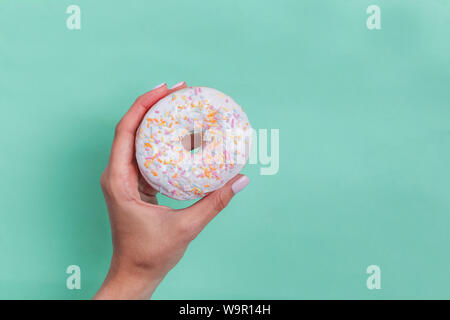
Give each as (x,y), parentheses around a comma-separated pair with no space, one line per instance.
(168,165)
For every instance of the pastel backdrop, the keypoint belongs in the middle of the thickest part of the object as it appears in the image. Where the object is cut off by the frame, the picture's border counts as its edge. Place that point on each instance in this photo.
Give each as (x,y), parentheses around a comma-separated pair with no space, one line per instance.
(364,122)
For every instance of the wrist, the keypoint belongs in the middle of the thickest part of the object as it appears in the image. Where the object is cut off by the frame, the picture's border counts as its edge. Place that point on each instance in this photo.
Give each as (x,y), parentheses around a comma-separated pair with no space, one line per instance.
(128,282)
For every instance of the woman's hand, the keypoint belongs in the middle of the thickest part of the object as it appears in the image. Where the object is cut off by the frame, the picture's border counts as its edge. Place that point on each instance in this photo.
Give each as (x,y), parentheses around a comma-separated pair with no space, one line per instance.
(148,239)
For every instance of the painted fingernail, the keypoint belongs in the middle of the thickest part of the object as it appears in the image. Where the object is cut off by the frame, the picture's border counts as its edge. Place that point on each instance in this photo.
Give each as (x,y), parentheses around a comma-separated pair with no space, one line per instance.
(177,85)
(159,86)
(240,184)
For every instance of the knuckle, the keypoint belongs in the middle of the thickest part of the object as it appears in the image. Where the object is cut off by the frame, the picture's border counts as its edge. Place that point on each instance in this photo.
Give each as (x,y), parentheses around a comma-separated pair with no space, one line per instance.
(118,128)
(185,231)
(183,228)
(138,99)
(191,236)
(104,181)
(109,183)
(220,202)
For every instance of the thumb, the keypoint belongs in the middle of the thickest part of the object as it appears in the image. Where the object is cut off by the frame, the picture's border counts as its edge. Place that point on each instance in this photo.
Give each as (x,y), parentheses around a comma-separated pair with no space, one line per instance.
(197,216)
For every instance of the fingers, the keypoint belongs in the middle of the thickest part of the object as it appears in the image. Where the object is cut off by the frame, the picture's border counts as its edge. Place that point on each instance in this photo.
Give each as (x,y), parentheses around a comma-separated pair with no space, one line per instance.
(178,86)
(147,193)
(197,216)
(122,151)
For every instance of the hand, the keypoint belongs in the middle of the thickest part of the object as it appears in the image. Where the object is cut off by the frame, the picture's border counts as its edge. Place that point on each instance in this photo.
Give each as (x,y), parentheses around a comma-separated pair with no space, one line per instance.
(148,239)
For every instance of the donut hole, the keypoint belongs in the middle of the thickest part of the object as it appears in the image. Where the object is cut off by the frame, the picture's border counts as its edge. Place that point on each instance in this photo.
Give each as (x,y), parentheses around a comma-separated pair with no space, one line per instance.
(192,141)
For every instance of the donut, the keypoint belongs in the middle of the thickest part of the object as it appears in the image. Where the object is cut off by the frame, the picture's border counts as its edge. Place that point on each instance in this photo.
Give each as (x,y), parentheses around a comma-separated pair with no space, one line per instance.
(192,142)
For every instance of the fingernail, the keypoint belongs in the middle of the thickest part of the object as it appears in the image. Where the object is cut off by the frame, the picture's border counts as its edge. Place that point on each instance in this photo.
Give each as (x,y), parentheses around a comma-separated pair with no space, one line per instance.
(159,86)
(179,84)
(240,184)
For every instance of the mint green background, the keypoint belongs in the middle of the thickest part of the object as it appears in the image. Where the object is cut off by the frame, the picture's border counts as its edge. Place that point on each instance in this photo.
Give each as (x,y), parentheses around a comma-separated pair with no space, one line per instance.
(364,119)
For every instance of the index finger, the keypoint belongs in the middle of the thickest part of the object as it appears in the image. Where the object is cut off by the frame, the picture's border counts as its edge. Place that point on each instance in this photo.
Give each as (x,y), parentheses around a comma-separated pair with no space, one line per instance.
(122,151)
(123,145)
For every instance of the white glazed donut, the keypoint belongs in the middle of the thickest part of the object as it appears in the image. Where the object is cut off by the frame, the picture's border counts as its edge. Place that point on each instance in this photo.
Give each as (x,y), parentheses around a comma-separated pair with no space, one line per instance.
(220,135)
